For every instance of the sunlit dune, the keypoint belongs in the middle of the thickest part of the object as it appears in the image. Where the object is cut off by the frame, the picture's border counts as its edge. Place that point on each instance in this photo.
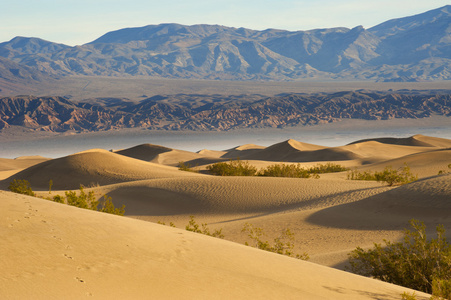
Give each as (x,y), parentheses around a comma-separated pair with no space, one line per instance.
(66,252)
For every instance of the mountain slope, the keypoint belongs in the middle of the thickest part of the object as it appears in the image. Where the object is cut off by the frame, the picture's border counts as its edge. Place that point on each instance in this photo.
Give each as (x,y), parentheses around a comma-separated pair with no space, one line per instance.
(406,49)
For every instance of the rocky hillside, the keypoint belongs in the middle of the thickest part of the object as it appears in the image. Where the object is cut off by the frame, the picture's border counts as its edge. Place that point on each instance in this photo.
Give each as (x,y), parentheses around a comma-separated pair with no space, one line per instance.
(414,48)
(206,112)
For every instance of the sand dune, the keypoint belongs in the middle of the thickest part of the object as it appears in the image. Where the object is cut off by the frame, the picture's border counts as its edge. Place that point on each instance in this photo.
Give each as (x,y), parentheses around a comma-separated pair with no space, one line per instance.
(20,162)
(89,253)
(235,195)
(423,164)
(159,154)
(90,168)
(294,151)
(58,251)
(428,200)
(416,140)
(382,151)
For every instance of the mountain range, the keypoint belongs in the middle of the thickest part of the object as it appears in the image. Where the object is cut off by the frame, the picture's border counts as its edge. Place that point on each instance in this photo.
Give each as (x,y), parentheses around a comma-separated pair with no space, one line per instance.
(210,112)
(415,48)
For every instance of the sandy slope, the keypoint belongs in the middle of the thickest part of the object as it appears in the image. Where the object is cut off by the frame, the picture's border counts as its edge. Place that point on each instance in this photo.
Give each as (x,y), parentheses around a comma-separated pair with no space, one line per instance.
(22,162)
(61,252)
(330,216)
(95,167)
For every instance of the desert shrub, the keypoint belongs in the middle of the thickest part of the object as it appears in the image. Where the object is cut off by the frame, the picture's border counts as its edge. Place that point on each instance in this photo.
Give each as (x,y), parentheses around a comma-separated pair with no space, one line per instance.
(283,244)
(388,175)
(415,263)
(326,168)
(283,170)
(232,168)
(171,224)
(407,296)
(194,227)
(441,289)
(58,199)
(445,171)
(82,200)
(21,186)
(107,206)
(50,186)
(186,167)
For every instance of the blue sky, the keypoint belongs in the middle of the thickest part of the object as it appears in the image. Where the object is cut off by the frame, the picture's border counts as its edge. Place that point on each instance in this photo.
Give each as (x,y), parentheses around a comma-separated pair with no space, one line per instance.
(77,22)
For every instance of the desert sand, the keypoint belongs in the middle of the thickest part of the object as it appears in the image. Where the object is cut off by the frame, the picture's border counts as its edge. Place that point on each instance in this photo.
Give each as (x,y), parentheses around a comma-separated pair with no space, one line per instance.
(57,251)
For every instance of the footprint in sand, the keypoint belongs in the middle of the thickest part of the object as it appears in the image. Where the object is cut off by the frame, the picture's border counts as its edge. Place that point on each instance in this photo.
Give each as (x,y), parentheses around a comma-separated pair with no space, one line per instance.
(79,279)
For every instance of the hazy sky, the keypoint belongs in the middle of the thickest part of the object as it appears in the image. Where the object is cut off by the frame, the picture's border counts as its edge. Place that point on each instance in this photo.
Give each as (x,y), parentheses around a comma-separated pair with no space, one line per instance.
(76,22)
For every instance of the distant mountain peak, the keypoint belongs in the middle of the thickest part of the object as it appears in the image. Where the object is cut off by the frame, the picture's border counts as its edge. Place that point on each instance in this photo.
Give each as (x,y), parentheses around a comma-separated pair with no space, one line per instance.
(414,48)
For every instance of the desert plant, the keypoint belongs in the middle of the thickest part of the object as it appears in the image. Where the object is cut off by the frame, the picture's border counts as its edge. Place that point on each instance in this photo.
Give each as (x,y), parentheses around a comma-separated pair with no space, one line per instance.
(58,199)
(186,167)
(283,170)
(107,206)
(21,186)
(414,263)
(408,296)
(50,186)
(171,224)
(194,227)
(283,244)
(441,289)
(445,171)
(388,175)
(232,168)
(82,200)
(326,168)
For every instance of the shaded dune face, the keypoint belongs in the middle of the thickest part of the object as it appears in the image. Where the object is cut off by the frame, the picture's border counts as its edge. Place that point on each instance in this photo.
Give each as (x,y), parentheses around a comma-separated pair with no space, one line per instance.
(234,195)
(146,152)
(427,199)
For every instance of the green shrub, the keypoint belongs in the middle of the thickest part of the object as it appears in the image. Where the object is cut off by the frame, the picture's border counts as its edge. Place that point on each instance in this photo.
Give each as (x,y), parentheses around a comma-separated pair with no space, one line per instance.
(388,175)
(171,224)
(326,168)
(415,263)
(107,206)
(186,167)
(239,168)
(83,200)
(58,199)
(283,170)
(283,244)
(407,296)
(21,186)
(50,186)
(232,168)
(441,289)
(194,227)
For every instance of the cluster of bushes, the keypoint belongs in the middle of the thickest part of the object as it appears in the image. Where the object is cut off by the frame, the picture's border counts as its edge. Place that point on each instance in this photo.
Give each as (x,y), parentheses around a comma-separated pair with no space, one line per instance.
(232,168)
(416,263)
(240,168)
(388,175)
(20,186)
(81,200)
